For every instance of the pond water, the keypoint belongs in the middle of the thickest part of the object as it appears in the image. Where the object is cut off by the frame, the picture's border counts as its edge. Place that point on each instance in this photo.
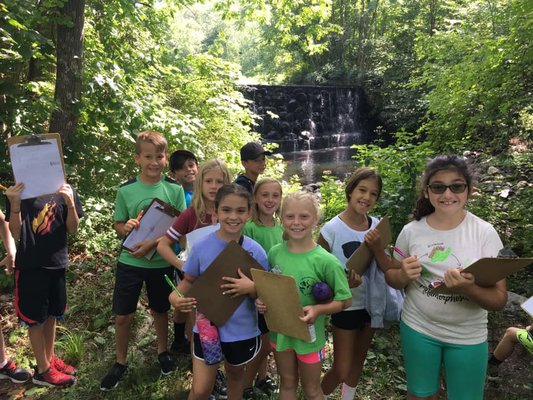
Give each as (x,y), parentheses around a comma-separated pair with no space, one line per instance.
(310,165)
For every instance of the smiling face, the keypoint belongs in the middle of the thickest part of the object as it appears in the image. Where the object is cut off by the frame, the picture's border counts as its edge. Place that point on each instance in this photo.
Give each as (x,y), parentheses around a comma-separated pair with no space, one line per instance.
(151,161)
(299,217)
(255,167)
(268,198)
(212,181)
(233,211)
(448,203)
(187,173)
(364,196)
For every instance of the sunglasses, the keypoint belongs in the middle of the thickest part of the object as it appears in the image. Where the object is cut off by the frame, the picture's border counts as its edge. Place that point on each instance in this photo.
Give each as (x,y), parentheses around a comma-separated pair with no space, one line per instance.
(440,188)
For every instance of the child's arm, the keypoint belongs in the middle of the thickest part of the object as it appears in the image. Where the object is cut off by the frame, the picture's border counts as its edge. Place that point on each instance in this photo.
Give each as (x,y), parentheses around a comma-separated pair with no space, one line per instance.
(491,298)
(15,222)
(73,219)
(166,249)
(399,276)
(323,243)
(239,286)
(9,244)
(312,312)
(373,240)
(177,299)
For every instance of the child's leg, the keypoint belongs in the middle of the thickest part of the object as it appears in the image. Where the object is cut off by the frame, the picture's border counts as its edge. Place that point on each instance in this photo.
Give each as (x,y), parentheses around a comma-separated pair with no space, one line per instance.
(122,335)
(287,366)
(506,345)
(2,347)
(465,368)
(310,377)
(161,330)
(235,380)
(203,379)
(253,367)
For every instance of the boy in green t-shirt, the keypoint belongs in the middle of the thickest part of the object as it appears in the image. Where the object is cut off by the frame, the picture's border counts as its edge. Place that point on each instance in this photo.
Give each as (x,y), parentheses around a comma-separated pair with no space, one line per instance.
(133,268)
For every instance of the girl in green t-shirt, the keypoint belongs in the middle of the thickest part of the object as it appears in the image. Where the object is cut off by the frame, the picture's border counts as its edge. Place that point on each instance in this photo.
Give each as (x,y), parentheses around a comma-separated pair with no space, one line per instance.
(301,258)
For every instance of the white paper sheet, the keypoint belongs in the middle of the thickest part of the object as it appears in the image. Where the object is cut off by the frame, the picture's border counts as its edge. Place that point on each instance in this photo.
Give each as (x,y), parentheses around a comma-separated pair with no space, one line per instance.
(528,306)
(39,167)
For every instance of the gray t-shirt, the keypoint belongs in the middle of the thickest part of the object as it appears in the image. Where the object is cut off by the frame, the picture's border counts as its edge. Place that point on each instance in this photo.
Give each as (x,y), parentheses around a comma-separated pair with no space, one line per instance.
(451,318)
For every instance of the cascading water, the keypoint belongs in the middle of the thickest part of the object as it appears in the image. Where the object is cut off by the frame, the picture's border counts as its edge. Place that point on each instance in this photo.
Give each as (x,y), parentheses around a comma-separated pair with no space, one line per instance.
(314,126)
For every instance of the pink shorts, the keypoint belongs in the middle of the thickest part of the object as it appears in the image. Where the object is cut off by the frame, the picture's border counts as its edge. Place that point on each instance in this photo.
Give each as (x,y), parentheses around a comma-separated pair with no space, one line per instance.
(310,358)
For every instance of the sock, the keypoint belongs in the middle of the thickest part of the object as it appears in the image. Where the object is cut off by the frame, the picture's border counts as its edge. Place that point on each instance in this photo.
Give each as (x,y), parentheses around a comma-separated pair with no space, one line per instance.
(179,332)
(494,361)
(348,392)
(3,363)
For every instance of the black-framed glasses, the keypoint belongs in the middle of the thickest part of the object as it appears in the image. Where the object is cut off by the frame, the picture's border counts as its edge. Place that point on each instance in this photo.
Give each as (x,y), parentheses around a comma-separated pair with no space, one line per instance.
(440,188)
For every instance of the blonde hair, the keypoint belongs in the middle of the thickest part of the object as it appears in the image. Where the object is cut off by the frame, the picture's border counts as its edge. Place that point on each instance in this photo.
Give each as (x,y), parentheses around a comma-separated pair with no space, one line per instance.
(255,208)
(300,197)
(198,202)
(151,137)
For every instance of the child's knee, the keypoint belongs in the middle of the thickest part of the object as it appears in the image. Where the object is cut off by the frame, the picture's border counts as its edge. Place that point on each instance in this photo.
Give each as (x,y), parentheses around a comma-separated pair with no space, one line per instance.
(511,333)
(123,320)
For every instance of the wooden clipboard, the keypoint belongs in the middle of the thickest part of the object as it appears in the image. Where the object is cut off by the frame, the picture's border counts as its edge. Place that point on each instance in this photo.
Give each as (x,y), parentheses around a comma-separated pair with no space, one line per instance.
(206,289)
(155,221)
(488,271)
(37,161)
(527,306)
(284,307)
(361,258)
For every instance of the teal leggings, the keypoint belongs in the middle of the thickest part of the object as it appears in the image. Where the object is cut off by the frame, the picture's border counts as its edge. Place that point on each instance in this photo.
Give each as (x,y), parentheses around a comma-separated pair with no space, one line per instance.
(465,366)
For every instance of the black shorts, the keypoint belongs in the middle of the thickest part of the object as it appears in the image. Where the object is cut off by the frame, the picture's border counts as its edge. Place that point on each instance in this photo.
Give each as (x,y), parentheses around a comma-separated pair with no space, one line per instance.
(352,320)
(178,276)
(261,323)
(128,284)
(235,353)
(39,293)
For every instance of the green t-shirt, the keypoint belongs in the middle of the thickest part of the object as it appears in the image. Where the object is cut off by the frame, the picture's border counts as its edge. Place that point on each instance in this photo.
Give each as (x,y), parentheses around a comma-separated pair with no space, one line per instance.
(134,196)
(266,236)
(316,265)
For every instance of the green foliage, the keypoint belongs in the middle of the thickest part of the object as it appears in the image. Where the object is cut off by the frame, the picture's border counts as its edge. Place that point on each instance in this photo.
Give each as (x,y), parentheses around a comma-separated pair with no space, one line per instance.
(333,199)
(400,166)
(71,345)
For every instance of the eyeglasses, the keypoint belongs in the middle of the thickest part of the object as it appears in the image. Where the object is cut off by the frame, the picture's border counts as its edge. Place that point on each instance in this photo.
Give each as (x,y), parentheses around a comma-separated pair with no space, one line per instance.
(440,188)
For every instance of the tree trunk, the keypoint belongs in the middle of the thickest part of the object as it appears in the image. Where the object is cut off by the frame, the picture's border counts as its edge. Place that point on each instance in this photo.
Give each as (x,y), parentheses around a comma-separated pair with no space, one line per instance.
(69,71)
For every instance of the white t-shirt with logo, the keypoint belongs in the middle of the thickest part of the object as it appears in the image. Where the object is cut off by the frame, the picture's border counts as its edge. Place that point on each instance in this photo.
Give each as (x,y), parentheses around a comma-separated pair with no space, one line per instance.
(451,318)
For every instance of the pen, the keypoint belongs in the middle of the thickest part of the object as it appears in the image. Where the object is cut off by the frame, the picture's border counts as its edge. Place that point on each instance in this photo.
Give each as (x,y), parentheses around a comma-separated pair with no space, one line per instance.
(140,215)
(425,271)
(171,284)
(2,187)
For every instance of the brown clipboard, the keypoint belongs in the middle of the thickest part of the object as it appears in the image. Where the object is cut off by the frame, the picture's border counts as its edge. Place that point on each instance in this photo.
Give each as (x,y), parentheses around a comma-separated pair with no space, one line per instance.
(361,258)
(487,271)
(206,289)
(38,173)
(284,308)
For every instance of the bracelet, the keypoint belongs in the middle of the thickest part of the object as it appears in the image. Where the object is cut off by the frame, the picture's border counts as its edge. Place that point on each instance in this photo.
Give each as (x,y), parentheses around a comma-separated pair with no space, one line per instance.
(14,212)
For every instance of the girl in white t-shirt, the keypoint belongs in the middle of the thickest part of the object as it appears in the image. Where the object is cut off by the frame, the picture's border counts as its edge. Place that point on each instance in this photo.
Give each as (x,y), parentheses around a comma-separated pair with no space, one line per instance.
(342,235)
(445,329)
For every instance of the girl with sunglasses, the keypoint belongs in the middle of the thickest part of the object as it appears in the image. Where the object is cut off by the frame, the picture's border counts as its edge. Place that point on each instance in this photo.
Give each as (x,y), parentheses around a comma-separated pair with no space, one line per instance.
(448,330)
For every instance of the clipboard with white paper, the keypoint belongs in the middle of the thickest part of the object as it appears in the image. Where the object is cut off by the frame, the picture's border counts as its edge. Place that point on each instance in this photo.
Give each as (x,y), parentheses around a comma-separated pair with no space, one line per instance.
(154,223)
(527,306)
(37,161)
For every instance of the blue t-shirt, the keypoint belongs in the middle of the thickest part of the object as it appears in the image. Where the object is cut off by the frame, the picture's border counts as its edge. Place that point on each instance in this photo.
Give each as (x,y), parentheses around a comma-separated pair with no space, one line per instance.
(242,324)
(188,197)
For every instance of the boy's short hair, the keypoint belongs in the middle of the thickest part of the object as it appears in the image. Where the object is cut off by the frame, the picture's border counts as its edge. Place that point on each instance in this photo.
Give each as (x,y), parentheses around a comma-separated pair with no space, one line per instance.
(253,150)
(179,158)
(152,137)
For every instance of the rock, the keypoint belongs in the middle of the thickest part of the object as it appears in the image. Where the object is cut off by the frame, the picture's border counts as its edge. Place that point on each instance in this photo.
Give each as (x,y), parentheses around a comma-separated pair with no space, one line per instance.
(512,307)
(493,170)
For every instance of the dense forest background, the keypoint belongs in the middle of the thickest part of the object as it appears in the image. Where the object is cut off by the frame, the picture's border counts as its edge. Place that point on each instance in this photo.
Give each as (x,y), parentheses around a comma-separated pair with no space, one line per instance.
(439,76)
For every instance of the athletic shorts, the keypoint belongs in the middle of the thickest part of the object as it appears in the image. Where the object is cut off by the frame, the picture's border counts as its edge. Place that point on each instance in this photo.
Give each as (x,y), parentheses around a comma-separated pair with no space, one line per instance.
(310,358)
(235,353)
(178,276)
(351,320)
(465,366)
(39,293)
(261,324)
(129,282)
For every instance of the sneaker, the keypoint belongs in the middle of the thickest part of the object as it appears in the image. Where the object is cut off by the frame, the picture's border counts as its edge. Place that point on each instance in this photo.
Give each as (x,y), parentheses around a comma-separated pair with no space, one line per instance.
(113,377)
(53,378)
(62,366)
(181,347)
(248,394)
(166,362)
(220,390)
(525,338)
(267,386)
(11,371)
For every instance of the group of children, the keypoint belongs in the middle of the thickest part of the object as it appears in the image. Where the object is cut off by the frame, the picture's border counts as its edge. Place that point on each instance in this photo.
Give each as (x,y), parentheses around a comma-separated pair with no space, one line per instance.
(278,231)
